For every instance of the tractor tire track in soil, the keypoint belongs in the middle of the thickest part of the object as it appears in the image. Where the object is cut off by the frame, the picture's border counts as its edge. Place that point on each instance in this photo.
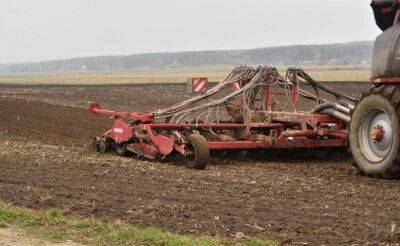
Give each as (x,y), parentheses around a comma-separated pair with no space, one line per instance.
(313,196)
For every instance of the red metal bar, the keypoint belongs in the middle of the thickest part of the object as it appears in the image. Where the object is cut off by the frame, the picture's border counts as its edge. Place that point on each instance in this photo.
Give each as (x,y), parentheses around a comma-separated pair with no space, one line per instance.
(95,109)
(267,95)
(295,91)
(281,144)
(385,80)
(318,132)
(214,126)
(299,133)
(237,145)
(311,119)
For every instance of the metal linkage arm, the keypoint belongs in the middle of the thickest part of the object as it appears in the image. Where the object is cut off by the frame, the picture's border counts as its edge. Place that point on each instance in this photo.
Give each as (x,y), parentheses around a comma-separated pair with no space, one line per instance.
(96,110)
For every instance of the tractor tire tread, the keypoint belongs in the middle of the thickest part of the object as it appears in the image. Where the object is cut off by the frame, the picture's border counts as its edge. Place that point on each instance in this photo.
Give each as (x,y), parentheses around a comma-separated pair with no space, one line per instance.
(392,94)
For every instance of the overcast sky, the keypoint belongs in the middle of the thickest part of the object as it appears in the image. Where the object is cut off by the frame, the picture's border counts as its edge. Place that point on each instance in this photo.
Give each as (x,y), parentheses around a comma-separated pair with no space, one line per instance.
(34,30)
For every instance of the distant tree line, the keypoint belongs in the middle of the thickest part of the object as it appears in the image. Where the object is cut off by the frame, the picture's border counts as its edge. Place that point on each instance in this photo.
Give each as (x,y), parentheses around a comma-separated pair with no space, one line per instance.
(334,54)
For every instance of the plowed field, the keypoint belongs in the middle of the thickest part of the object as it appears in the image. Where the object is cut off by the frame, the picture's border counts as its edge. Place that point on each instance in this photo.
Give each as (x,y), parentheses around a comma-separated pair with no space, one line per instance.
(311,197)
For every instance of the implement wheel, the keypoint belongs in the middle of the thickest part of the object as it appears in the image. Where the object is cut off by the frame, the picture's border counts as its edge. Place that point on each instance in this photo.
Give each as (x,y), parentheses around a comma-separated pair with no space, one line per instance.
(374,133)
(198,153)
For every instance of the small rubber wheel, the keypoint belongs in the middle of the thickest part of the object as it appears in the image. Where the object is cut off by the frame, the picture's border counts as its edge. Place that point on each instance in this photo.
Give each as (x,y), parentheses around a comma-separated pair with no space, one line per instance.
(374,133)
(198,152)
(122,149)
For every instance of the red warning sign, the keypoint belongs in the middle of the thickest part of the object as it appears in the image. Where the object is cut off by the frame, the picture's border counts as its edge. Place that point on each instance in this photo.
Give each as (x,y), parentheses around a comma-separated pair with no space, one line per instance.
(199,85)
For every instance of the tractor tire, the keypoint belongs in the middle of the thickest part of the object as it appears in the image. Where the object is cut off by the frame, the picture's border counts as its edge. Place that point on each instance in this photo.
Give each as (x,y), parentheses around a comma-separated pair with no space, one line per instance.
(375,133)
(200,156)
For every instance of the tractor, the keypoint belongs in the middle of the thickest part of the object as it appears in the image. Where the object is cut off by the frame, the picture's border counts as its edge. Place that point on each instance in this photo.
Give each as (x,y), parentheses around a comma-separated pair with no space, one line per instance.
(374,127)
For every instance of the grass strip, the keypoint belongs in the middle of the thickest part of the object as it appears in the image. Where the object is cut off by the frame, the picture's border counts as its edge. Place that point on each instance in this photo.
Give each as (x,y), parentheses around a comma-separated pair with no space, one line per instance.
(52,225)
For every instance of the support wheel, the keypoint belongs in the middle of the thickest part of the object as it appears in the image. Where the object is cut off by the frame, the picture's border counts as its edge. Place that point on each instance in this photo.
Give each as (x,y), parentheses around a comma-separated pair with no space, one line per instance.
(198,153)
(374,133)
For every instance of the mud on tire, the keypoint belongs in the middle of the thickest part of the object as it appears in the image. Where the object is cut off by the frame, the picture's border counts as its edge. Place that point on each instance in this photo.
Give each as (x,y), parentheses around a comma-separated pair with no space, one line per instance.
(372,157)
(200,153)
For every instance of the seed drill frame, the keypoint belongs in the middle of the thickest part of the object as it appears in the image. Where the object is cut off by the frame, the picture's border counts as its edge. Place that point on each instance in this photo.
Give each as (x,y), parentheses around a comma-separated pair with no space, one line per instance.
(250,119)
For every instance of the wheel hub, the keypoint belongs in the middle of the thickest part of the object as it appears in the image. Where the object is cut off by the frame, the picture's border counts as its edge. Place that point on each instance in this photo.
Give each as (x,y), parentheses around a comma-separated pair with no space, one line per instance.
(377,135)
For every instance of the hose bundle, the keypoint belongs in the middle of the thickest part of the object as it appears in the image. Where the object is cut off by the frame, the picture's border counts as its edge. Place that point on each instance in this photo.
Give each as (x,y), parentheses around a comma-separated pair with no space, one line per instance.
(253,81)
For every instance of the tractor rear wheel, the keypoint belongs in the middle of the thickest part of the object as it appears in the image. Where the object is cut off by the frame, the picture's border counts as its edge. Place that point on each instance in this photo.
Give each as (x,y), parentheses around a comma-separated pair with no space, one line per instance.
(198,152)
(374,133)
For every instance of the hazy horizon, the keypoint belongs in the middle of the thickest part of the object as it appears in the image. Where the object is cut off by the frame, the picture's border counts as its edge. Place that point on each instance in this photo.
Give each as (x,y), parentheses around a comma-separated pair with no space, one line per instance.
(42,30)
(183,51)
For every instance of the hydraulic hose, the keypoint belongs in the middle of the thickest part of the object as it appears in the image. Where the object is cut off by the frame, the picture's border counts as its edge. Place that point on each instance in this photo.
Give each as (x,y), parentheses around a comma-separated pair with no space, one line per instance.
(337,114)
(335,106)
(346,104)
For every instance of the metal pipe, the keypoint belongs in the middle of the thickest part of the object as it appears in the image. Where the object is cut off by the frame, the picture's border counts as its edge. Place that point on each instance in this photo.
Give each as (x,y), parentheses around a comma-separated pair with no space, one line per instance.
(341,108)
(336,106)
(214,126)
(337,114)
(346,104)
(95,110)
(298,133)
